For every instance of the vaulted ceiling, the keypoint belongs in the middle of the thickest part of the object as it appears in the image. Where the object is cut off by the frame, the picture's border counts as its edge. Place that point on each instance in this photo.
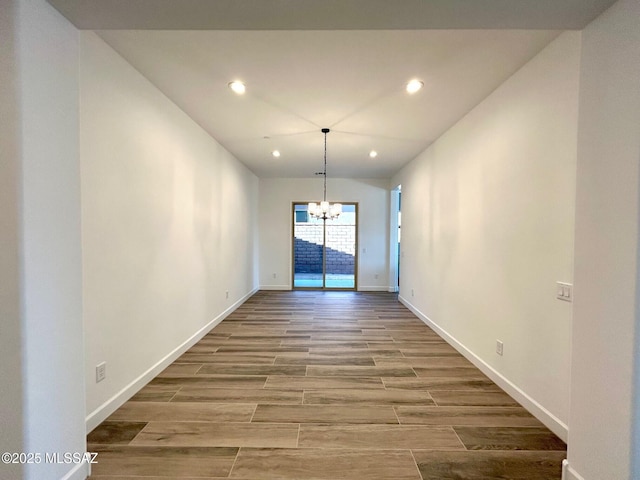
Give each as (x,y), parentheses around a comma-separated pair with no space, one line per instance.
(341,64)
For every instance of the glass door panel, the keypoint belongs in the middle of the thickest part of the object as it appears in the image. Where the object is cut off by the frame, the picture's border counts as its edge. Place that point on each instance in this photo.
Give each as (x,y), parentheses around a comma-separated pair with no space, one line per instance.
(308,249)
(340,249)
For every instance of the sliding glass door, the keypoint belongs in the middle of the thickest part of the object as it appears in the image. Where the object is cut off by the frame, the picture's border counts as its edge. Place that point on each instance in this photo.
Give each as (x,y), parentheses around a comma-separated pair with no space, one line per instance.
(325,252)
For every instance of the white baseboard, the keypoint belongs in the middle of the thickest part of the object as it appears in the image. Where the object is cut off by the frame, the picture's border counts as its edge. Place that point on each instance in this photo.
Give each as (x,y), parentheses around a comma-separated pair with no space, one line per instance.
(545,416)
(393,289)
(569,473)
(366,288)
(373,288)
(80,471)
(103,411)
(275,287)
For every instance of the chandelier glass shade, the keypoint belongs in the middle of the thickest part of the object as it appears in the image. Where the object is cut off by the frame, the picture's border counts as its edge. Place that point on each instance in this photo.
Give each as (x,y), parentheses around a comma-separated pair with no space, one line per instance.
(324,210)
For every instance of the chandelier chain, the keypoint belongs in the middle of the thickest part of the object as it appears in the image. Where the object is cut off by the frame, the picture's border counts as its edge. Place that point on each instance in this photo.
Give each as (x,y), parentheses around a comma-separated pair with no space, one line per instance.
(324,210)
(325,167)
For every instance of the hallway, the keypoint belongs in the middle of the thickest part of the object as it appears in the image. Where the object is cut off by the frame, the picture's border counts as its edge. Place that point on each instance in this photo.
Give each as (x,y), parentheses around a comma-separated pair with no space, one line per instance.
(323,385)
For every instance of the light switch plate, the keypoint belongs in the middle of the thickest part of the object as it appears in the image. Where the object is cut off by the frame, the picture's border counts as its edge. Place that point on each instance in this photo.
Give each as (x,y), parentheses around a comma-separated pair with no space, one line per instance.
(564,291)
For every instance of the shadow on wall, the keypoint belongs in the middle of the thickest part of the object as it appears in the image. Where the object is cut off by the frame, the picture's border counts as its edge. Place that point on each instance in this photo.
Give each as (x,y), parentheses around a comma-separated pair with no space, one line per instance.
(308,258)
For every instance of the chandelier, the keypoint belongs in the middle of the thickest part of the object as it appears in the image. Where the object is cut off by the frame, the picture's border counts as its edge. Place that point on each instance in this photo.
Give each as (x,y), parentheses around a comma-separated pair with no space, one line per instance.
(324,210)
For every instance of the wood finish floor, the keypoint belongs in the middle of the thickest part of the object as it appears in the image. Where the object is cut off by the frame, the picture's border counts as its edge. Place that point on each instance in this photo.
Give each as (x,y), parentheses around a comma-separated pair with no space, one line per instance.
(323,385)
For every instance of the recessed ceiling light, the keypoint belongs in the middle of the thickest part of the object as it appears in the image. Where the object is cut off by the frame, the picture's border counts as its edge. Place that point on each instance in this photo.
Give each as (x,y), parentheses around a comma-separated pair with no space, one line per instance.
(237,87)
(373,154)
(275,153)
(414,85)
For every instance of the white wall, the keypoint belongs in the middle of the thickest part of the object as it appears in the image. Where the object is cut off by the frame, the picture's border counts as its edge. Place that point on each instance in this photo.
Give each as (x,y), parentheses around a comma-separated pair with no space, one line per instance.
(606,275)
(169,226)
(11,388)
(44,385)
(276,197)
(487,230)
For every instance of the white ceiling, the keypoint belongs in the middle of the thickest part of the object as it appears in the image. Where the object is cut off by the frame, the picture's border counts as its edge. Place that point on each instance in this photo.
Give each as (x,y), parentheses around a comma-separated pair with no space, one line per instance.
(352,81)
(330,14)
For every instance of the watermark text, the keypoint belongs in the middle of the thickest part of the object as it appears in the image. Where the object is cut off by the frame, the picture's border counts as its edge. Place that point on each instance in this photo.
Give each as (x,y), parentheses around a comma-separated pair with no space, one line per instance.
(64,458)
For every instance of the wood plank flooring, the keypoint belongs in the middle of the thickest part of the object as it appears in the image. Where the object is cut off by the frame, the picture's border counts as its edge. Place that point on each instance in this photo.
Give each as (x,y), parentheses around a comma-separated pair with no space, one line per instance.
(323,385)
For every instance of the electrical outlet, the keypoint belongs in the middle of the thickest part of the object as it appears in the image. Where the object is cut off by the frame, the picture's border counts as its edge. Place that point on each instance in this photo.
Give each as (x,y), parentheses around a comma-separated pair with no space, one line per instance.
(499,347)
(101,371)
(275,275)
(227,294)
(375,276)
(412,292)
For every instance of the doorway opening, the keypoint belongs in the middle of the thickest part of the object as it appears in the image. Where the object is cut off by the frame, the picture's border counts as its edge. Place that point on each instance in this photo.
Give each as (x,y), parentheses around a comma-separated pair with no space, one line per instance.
(395,237)
(325,252)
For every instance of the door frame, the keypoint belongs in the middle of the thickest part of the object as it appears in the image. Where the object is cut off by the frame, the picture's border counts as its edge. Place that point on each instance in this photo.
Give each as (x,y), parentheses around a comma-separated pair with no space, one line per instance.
(324,247)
